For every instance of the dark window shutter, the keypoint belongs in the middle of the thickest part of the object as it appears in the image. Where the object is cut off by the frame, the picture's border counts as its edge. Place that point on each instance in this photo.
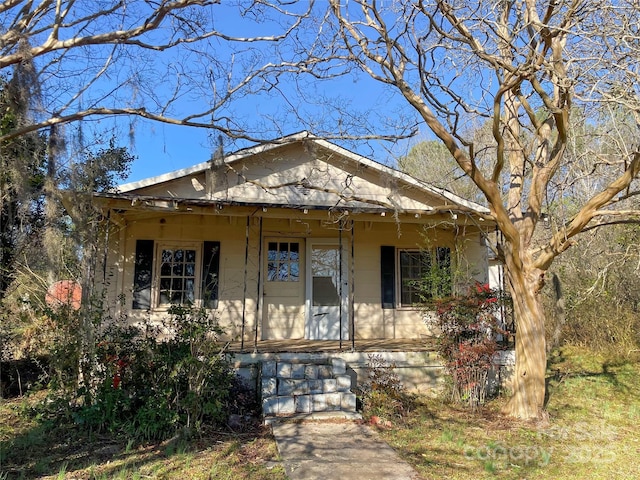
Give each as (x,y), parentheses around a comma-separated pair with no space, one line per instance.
(142,273)
(388,276)
(210,274)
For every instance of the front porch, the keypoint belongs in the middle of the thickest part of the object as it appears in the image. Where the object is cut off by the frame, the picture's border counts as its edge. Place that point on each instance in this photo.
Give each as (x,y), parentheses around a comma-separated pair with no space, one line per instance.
(333,346)
(415,361)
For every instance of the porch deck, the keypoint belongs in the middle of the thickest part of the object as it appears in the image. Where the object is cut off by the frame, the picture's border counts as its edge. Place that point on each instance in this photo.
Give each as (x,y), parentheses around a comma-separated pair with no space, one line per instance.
(313,346)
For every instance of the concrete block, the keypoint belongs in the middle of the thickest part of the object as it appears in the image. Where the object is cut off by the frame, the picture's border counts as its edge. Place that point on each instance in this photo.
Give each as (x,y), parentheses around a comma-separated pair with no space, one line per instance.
(311,372)
(334,401)
(297,370)
(293,386)
(319,402)
(329,385)
(339,366)
(270,406)
(269,387)
(343,383)
(268,369)
(325,371)
(303,404)
(286,405)
(283,370)
(348,402)
(315,386)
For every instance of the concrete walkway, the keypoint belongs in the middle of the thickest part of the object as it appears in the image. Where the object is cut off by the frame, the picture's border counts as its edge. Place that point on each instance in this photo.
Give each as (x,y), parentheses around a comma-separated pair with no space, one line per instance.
(337,450)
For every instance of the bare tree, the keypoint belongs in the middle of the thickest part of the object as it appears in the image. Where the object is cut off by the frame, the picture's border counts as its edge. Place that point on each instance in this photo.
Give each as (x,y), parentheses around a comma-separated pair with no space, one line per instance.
(526,68)
(141,59)
(432,162)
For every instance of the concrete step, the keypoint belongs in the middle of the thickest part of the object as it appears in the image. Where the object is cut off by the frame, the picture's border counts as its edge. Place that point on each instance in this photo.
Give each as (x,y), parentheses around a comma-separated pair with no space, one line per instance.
(289,387)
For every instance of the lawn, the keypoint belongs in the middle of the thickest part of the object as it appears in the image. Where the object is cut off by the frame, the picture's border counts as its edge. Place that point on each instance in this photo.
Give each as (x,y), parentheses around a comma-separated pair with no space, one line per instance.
(592,432)
(593,409)
(31,450)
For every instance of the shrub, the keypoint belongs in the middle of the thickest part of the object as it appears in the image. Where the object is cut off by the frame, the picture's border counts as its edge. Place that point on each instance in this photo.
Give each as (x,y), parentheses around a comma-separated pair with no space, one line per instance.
(468,341)
(150,389)
(382,393)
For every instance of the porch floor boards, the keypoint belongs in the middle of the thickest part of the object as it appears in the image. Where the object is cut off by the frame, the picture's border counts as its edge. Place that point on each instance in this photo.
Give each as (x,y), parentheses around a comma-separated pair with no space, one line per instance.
(310,346)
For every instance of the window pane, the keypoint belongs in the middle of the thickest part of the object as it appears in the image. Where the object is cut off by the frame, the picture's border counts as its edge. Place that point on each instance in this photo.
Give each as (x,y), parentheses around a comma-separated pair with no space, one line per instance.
(271,271)
(177,269)
(295,272)
(190,270)
(283,262)
(272,251)
(165,269)
(189,287)
(283,253)
(190,256)
(294,251)
(283,272)
(325,292)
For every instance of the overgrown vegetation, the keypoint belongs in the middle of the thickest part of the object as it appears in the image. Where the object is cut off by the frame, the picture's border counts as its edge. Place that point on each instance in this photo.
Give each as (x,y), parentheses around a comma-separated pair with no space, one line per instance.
(383,398)
(468,342)
(63,449)
(594,295)
(149,388)
(150,383)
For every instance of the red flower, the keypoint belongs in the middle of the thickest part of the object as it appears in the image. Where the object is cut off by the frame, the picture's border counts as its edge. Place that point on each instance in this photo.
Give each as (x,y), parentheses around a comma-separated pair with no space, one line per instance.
(116,380)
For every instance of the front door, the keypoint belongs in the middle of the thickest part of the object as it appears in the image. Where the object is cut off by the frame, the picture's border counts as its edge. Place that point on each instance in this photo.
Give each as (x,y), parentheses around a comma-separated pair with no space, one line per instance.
(326,292)
(283,290)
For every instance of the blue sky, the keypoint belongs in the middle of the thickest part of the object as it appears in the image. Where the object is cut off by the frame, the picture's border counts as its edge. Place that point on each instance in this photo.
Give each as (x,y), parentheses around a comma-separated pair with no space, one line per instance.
(161,148)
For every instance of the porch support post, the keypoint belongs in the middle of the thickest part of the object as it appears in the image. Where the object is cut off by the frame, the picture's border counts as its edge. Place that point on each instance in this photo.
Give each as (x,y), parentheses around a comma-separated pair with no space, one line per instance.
(258,297)
(121,250)
(244,292)
(340,280)
(352,313)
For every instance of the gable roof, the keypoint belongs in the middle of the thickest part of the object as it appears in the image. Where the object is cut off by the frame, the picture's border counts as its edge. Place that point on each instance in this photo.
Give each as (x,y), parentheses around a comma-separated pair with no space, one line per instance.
(355,159)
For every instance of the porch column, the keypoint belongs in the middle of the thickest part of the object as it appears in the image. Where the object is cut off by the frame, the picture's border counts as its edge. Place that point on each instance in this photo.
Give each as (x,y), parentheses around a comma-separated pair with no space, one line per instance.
(352,312)
(258,317)
(244,291)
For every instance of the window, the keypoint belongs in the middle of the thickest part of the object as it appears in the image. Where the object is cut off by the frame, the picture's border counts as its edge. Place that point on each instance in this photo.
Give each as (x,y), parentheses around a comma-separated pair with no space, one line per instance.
(183,274)
(283,262)
(409,277)
(424,275)
(177,276)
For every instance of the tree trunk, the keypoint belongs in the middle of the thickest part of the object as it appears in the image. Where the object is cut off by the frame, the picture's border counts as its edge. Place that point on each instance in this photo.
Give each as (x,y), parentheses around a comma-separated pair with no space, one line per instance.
(528,383)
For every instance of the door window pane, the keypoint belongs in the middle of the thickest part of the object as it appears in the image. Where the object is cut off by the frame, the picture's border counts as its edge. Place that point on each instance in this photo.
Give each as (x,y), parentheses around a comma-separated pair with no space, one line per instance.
(283,262)
(325,268)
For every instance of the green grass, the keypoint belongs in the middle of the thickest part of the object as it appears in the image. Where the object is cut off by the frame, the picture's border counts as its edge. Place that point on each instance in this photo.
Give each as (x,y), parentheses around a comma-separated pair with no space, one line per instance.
(30,450)
(594,410)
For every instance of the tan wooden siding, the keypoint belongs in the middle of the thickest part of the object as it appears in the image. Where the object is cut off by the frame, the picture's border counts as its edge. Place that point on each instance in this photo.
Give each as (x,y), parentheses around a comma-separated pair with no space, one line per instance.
(371,320)
(255,179)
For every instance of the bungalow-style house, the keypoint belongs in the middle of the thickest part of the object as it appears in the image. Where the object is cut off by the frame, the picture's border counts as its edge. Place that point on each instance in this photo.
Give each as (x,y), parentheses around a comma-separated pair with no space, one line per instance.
(299,239)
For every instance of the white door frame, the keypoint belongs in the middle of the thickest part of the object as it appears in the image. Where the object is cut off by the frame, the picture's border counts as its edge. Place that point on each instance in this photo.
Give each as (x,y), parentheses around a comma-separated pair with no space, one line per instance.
(343,289)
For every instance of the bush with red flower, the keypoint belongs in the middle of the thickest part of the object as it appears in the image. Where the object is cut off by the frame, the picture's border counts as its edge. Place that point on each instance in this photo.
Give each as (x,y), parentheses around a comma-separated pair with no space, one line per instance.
(468,343)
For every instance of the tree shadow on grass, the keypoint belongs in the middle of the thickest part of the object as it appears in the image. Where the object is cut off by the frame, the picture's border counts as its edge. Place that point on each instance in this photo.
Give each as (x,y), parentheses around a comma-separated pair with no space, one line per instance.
(50,451)
(619,373)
